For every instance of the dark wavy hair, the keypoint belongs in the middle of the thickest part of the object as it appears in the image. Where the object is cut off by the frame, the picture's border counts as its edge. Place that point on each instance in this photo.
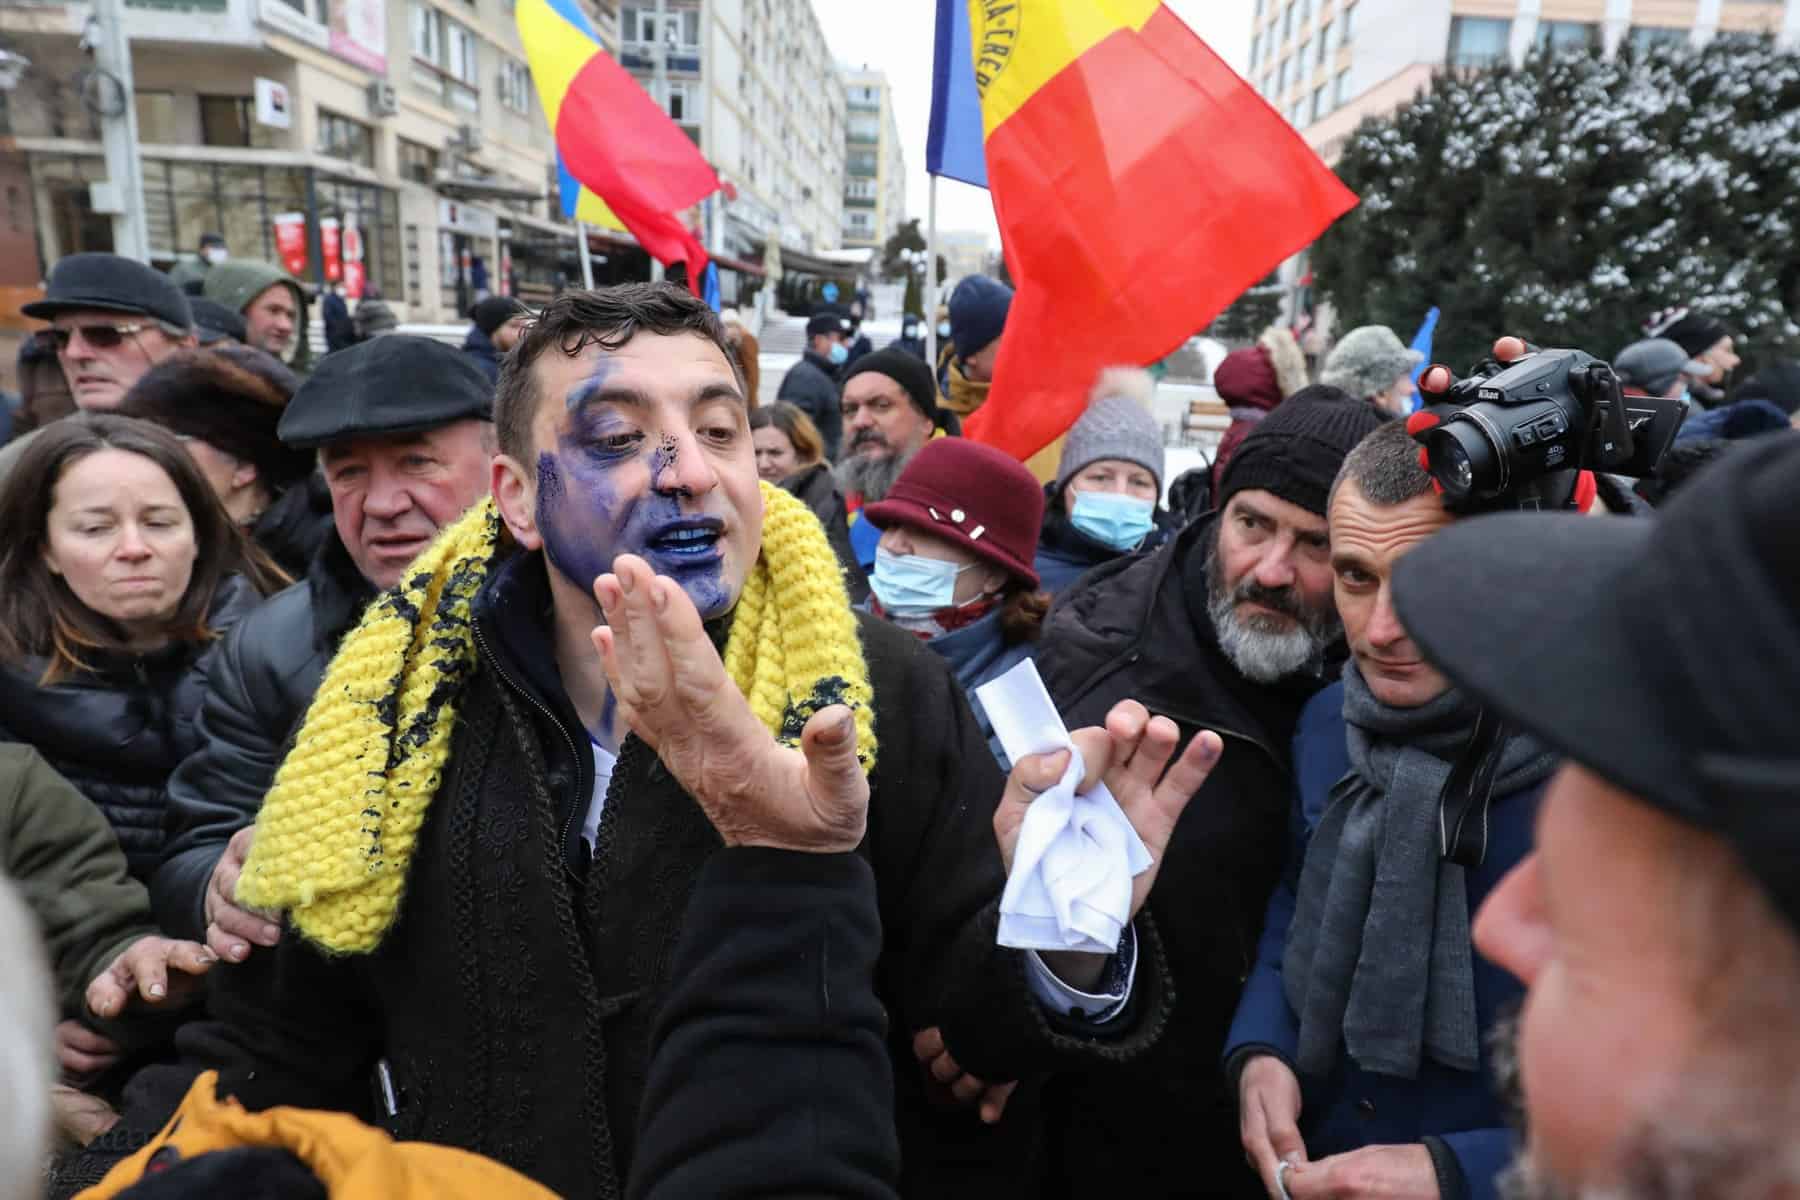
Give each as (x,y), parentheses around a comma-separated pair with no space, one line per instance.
(40,618)
(605,317)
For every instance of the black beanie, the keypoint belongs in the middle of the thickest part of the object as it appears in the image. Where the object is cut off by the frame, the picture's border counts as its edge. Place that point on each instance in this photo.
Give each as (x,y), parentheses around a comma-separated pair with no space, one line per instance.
(1697,333)
(495,311)
(1296,450)
(907,370)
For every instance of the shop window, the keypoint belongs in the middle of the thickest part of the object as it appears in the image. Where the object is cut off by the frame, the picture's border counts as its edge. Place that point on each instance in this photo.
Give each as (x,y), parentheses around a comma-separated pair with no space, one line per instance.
(1561,37)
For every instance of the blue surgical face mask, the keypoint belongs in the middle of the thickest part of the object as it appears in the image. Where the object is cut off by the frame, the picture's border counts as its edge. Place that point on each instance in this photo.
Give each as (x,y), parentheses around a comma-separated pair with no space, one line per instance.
(840,353)
(1113,519)
(943,329)
(911,585)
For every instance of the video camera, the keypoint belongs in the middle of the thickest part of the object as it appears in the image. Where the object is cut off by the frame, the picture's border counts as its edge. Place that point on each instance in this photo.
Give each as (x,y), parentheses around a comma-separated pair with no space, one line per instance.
(1517,435)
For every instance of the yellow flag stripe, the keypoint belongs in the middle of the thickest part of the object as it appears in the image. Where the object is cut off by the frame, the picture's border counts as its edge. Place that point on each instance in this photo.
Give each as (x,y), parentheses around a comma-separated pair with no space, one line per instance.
(556,52)
(1020,45)
(593,210)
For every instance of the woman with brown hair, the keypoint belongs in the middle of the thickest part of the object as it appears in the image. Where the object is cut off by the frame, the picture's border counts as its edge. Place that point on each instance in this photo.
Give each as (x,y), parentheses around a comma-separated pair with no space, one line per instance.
(790,453)
(118,568)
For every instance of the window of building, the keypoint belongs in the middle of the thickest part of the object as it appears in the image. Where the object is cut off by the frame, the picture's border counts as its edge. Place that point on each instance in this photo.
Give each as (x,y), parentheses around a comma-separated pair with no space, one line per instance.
(1302,58)
(226,120)
(1325,41)
(1340,89)
(1478,41)
(1255,46)
(1346,25)
(1287,22)
(446,63)
(1645,36)
(1305,12)
(341,137)
(1567,36)
(418,162)
(156,118)
(682,26)
(1321,102)
(515,85)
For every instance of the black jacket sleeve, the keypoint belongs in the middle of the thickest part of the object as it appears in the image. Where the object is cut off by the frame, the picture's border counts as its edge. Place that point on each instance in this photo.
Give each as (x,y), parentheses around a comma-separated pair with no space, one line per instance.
(218,789)
(768,1072)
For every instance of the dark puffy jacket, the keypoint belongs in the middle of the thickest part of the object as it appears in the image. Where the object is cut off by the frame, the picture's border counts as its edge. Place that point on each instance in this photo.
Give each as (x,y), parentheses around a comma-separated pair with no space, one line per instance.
(116,732)
(1458,1113)
(293,530)
(811,386)
(480,347)
(816,486)
(258,684)
(1137,628)
(1065,553)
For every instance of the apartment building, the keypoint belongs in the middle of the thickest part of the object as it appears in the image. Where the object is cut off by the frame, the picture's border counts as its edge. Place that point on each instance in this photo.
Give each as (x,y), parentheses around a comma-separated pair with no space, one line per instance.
(1326,64)
(754,85)
(396,146)
(874,165)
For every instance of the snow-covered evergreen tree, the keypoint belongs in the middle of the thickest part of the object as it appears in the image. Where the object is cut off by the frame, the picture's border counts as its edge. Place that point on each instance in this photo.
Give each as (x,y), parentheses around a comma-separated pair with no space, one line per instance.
(1568,200)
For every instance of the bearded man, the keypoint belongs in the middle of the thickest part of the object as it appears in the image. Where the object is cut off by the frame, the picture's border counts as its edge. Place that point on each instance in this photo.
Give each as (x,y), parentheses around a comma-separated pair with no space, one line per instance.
(1229,626)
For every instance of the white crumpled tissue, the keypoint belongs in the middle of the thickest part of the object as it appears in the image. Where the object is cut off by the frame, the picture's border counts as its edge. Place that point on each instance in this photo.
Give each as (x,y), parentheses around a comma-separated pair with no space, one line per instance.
(1070,887)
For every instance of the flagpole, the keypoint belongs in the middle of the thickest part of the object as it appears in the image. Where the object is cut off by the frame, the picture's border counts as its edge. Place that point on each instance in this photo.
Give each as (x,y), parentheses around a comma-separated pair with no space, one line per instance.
(930,289)
(587,266)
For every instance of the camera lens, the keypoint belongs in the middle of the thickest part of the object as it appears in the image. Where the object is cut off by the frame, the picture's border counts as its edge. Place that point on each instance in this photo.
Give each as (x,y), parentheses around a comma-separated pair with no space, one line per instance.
(1463,460)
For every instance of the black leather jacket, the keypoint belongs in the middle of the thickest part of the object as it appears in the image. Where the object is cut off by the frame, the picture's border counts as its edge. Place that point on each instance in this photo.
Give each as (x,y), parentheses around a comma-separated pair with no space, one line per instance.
(116,732)
(258,684)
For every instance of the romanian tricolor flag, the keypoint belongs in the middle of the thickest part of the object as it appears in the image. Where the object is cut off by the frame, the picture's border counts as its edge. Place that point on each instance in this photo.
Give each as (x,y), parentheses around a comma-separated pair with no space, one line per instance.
(616,149)
(1140,187)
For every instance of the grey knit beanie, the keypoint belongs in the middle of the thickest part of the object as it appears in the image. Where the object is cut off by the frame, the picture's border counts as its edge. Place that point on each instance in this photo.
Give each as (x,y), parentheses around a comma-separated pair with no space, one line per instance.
(1116,425)
(1367,361)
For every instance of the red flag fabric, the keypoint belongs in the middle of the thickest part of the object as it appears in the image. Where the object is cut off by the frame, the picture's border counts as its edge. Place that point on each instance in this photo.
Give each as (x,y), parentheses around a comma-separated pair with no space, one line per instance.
(1140,188)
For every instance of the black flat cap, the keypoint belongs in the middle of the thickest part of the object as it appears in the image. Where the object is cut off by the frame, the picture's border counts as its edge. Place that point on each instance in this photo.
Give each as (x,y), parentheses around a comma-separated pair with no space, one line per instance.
(389,385)
(108,283)
(1661,653)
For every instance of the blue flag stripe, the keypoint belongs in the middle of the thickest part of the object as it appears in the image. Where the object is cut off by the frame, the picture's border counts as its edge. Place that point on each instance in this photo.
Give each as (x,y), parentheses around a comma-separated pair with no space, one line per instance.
(954,145)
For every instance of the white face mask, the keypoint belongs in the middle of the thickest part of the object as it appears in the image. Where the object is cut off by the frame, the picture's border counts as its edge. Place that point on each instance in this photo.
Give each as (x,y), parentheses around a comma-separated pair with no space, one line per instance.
(215,254)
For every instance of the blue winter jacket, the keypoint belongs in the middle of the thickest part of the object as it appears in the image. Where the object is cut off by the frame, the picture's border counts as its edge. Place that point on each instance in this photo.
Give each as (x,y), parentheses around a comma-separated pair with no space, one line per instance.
(481,348)
(1353,1108)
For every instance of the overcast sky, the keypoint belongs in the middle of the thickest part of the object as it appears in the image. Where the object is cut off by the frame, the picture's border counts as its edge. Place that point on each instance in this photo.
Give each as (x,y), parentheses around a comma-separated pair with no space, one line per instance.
(896,37)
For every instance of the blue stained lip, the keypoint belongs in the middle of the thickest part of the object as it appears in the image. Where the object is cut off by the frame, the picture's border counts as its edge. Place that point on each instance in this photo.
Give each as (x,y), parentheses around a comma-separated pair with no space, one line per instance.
(694,540)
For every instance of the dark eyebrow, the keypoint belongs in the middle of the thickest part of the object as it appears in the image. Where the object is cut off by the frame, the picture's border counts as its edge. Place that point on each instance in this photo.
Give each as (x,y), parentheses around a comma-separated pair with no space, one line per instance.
(719,391)
(599,392)
(1341,559)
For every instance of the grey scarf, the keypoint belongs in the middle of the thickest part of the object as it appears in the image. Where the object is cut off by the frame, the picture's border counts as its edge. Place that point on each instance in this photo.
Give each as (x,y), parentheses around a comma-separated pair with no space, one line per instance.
(1378,955)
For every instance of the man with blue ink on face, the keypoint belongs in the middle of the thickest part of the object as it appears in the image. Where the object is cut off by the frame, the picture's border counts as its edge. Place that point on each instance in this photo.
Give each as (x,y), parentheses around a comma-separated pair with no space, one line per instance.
(547,719)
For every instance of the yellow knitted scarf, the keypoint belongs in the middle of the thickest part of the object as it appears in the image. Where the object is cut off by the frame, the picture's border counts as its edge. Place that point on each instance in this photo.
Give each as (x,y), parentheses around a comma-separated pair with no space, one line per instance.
(338,828)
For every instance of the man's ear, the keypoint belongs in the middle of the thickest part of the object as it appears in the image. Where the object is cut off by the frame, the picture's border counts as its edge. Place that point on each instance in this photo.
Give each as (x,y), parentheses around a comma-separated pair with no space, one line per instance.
(244,476)
(515,495)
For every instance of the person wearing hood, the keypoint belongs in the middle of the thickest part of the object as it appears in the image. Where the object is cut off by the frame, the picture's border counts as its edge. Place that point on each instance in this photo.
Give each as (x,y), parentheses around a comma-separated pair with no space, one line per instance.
(978,310)
(1372,363)
(225,403)
(1707,340)
(496,325)
(1251,382)
(1104,501)
(214,323)
(189,274)
(272,303)
(958,529)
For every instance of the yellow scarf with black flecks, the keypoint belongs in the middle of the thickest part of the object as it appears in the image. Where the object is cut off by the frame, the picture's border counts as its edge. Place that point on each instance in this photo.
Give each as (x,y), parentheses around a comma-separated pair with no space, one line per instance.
(338,828)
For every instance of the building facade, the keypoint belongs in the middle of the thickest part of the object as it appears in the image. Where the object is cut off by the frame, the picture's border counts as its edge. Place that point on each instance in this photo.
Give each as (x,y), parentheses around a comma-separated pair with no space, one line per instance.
(874,165)
(1326,64)
(397,148)
(753,84)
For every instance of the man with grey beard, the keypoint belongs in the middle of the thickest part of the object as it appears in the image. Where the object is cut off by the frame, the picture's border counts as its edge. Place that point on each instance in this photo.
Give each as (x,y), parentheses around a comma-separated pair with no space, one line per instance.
(1228,626)
(1657,927)
(890,410)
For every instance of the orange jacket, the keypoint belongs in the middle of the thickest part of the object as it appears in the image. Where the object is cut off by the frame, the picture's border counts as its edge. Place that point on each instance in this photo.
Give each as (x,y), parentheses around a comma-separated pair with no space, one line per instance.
(354,1161)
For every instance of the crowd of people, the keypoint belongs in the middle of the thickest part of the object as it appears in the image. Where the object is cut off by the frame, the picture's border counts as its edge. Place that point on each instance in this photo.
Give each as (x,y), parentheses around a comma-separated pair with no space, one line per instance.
(534,767)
